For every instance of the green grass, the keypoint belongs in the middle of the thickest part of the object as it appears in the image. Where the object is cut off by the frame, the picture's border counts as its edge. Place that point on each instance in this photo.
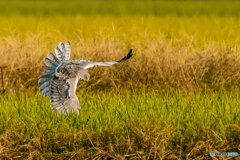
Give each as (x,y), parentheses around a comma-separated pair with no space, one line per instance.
(180,49)
(119,7)
(206,22)
(140,117)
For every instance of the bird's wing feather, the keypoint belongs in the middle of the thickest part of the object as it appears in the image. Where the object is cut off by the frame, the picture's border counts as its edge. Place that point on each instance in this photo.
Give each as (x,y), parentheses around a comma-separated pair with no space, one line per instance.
(63,52)
(63,87)
(89,64)
(52,65)
(62,95)
(68,50)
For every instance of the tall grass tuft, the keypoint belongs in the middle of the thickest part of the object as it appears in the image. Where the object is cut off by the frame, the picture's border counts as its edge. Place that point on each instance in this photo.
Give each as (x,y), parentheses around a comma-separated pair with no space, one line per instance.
(173,64)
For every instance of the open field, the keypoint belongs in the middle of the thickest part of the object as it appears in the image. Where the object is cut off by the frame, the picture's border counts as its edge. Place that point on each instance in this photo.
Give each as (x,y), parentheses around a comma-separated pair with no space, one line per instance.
(178,97)
(138,124)
(186,50)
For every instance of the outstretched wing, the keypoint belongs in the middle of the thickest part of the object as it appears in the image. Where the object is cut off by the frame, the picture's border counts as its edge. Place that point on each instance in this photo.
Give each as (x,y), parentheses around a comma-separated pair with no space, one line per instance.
(63,87)
(52,65)
(89,64)
(62,95)
(63,52)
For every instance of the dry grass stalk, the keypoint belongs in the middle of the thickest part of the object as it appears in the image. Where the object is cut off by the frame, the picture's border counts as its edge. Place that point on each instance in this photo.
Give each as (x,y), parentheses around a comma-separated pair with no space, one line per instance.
(149,142)
(171,64)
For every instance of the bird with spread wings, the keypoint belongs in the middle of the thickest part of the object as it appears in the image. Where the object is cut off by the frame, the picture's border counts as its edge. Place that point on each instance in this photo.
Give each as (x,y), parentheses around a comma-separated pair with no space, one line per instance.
(60,81)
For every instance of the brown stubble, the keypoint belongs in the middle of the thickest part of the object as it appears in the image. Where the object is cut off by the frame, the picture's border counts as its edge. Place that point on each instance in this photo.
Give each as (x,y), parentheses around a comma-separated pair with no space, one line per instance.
(169,64)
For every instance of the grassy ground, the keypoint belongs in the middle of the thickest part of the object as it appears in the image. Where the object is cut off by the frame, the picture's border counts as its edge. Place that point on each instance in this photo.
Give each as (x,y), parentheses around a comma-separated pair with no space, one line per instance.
(125,124)
(176,98)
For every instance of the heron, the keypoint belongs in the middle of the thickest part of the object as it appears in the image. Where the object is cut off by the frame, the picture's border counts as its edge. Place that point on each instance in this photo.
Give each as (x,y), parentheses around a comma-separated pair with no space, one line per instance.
(59,83)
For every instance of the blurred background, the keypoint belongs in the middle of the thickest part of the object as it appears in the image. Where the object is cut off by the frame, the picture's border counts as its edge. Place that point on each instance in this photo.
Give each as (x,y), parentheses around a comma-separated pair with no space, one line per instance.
(176,44)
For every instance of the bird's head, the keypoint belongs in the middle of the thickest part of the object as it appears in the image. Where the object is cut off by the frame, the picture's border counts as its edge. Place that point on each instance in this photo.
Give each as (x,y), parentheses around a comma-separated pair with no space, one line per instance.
(83,75)
(86,77)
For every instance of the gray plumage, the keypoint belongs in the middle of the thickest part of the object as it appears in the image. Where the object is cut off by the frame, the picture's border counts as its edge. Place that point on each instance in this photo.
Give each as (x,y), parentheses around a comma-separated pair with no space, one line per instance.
(60,81)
